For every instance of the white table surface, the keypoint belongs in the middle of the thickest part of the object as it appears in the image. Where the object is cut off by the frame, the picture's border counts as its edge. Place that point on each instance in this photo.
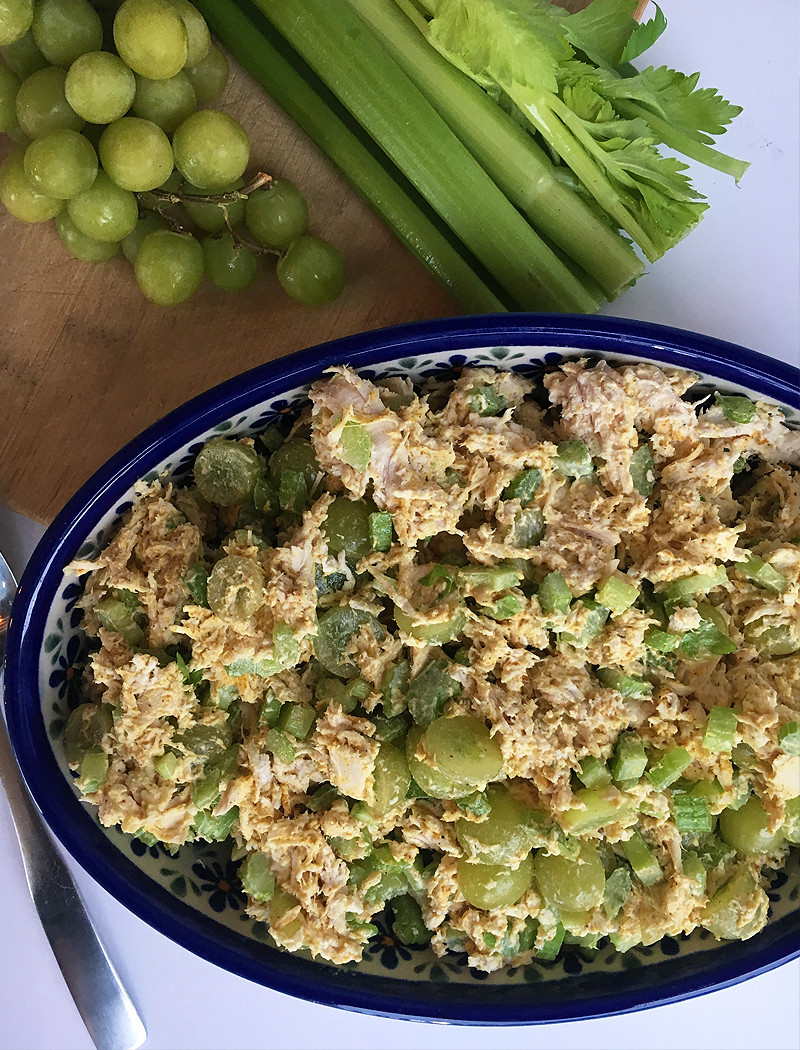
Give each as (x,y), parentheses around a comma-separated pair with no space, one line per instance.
(735,277)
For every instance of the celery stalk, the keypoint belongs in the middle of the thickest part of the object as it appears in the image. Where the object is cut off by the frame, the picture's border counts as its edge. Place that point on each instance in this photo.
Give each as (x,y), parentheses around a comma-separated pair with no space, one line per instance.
(356,67)
(296,89)
(508,154)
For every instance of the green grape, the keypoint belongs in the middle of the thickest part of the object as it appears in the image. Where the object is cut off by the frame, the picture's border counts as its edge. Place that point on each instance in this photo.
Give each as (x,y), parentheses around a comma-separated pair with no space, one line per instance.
(87,249)
(311,271)
(277,214)
(392,779)
(347,527)
(506,834)
(571,885)
(490,886)
(173,185)
(16,17)
(462,747)
(151,38)
(745,829)
(85,729)
(169,267)
(23,57)
(211,217)
(100,87)
(210,76)
(235,588)
(296,454)
(165,102)
(148,224)
(229,266)
(9,86)
(42,105)
(105,211)
(66,29)
(212,149)
(434,783)
(18,194)
(136,154)
(226,472)
(197,33)
(61,163)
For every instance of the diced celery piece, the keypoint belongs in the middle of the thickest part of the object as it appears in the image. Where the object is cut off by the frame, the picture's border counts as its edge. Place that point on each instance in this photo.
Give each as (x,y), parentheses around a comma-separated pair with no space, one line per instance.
(776,640)
(630,759)
(643,474)
(763,574)
(692,815)
(617,595)
(697,583)
(487,401)
(93,770)
(617,890)
(409,926)
(593,625)
(215,828)
(624,942)
(529,528)
(296,719)
(430,690)
(791,823)
(720,734)
(394,686)
(660,640)
(573,459)
(196,580)
(380,530)
(667,770)
(280,745)
(596,808)
(593,772)
(285,653)
(493,578)
(504,608)
(147,837)
(257,877)
(789,738)
(706,640)
(440,577)
(737,408)
(642,859)
(613,678)
(293,490)
(166,764)
(270,709)
(694,868)
(356,445)
(437,632)
(550,949)
(554,595)
(524,486)
(323,798)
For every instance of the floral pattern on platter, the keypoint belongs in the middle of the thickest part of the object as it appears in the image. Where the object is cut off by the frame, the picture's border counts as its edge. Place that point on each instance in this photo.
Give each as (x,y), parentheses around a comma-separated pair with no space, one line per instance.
(202,875)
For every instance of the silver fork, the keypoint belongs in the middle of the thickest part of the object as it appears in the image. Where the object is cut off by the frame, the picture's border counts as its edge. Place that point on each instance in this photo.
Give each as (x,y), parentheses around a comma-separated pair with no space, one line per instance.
(106,1008)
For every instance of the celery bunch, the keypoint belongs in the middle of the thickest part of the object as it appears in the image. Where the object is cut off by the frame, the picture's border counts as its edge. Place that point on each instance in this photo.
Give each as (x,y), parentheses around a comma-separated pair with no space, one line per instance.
(510,145)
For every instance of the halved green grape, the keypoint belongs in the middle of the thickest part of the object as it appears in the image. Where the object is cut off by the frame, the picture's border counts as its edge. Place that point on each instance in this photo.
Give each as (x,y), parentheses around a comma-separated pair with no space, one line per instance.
(295,454)
(16,17)
(335,632)
(346,526)
(105,211)
(42,105)
(235,588)
(61,163)
(210,76)
(100,87)
(490,886)
(169,267)
(19,195)
(85,729)
(23,57)
(392,779)
(738,909)
(165,102)
(226,471)
(311,271)
(228,265)
(277,214)
(147,224)
(66,29)
(571,885)
(136,154)
(151,38)
(432,782)
(197,32)
(211,149)
(9,86)
(212,216)
(87,249)
(505,836)
(745,829)
(463,748)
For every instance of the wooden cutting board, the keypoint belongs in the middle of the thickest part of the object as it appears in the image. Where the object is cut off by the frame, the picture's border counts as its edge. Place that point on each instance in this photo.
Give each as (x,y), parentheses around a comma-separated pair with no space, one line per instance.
(86,362)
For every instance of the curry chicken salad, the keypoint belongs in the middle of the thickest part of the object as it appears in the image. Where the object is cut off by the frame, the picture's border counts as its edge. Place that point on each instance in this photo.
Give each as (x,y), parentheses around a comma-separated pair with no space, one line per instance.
(517,663)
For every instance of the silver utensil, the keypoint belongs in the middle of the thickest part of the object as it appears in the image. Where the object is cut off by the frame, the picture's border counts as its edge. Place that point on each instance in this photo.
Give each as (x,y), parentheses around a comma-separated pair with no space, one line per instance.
(106,1008)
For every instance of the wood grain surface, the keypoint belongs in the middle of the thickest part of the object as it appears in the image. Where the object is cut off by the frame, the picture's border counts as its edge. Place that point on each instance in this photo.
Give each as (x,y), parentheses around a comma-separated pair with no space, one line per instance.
(86,362)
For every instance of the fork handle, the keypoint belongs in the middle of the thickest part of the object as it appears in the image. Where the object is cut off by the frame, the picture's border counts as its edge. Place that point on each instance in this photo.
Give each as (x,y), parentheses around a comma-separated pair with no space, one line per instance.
(102,1001)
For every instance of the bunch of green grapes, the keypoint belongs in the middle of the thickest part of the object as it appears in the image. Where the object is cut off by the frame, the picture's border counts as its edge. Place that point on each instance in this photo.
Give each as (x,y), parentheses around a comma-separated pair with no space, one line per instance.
(104,102)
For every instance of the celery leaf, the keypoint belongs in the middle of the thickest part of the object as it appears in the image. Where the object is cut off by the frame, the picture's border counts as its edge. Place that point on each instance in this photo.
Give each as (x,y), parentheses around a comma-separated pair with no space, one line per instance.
(602,30)
(644,36)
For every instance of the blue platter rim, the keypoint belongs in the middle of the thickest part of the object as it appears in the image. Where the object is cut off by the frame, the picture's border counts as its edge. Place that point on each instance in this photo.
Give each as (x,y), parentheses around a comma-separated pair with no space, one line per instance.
(578,997)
